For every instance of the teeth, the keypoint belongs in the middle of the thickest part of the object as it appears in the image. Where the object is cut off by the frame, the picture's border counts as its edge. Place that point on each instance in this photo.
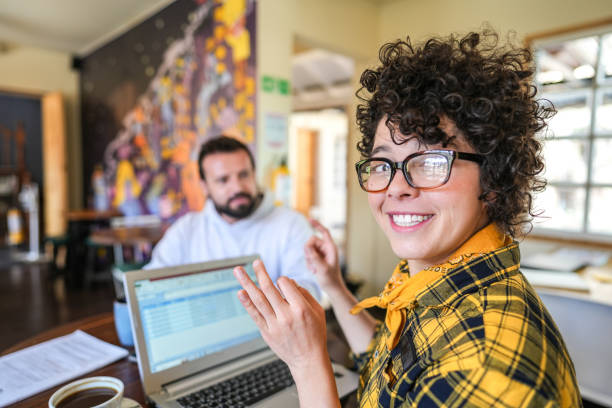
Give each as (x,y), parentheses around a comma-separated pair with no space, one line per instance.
(407,220)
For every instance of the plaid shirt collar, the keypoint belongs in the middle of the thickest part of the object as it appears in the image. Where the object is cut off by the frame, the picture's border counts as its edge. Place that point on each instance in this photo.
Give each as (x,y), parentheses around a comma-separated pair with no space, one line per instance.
(402,292)
(471,274)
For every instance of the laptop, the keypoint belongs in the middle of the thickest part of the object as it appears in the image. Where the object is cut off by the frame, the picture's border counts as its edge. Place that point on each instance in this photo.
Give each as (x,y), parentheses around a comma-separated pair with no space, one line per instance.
(197,346)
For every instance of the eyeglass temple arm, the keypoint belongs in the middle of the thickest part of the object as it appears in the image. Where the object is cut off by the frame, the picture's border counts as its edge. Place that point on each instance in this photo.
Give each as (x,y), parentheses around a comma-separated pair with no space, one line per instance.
(478,158)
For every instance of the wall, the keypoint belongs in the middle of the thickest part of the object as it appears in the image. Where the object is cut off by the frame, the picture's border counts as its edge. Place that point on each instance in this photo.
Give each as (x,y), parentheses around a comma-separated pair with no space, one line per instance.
(274,45)
(349,27)
(420,18)
(344,26)
(26,109)
(38,71)
(315,23)
(369,255)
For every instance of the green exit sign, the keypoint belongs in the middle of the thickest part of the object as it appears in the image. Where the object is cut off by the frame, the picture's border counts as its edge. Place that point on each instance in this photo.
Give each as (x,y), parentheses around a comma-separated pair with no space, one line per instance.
(270,84)
(283,86)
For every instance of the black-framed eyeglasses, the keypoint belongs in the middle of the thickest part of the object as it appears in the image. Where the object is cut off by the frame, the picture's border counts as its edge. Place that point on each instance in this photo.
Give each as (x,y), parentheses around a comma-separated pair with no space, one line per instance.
(424,170)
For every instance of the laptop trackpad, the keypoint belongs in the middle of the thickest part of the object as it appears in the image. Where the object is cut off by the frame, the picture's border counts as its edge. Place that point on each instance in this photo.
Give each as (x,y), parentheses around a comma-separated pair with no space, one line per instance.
(286,398)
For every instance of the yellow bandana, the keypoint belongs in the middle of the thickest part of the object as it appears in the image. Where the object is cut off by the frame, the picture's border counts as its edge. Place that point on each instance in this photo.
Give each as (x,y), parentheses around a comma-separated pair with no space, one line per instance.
(401,290)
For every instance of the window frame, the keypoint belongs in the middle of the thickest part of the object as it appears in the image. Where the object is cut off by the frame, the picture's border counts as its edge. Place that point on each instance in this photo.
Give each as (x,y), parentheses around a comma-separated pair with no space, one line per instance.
(595,95)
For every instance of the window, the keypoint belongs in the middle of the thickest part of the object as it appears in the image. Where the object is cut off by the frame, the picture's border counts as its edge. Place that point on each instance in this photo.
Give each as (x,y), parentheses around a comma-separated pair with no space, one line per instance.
(574,72)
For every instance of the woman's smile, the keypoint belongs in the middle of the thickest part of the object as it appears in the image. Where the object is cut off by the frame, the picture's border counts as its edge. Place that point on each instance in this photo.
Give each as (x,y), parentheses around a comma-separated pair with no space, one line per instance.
(408,221)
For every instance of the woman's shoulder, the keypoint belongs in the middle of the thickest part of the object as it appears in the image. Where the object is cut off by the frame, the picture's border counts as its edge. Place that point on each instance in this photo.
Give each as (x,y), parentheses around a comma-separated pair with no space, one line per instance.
(521,338)
(512,295)
(505,314)
(503,327)
(508,308)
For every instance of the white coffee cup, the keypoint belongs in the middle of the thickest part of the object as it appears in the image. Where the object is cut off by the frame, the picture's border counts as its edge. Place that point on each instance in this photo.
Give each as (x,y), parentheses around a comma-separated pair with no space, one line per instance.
(90,383)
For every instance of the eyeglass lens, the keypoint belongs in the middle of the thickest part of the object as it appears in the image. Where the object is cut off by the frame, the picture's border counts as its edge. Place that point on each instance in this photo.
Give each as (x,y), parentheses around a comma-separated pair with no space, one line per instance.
(426,171)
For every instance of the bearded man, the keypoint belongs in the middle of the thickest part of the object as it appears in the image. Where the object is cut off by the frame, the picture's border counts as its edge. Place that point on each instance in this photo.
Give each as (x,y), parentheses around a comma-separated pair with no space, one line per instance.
(238,219)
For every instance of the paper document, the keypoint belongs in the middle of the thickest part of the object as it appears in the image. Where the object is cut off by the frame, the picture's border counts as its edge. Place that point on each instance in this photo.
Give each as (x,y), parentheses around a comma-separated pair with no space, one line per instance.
(34,369)
(555,279)
(566,259)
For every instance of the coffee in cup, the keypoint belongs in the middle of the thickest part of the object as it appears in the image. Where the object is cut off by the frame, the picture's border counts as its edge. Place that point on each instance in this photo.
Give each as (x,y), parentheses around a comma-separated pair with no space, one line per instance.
(103,392)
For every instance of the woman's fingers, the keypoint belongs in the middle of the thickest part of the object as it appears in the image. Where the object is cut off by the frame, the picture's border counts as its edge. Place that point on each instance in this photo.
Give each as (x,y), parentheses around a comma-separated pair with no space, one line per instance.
(311,247)
(308,296)
(256,296)
(324,246)
(292,292)
(316,247)
(319,227)
(267,286)
(248,305)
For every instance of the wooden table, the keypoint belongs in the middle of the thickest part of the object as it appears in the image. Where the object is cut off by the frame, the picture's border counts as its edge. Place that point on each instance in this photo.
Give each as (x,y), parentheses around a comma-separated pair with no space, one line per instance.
(103,327)
(91,215)
(127,235)
(118,237)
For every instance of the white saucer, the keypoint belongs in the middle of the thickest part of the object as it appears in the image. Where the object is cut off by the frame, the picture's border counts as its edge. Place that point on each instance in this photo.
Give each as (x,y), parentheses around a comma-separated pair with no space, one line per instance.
(129,403)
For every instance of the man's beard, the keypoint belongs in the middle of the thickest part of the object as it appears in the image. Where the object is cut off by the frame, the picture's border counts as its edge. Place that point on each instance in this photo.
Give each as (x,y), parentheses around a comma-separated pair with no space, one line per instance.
(242,211)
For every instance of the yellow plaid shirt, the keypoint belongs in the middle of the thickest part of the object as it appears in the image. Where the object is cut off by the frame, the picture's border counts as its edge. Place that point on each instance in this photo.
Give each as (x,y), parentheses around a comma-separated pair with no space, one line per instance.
(479,336)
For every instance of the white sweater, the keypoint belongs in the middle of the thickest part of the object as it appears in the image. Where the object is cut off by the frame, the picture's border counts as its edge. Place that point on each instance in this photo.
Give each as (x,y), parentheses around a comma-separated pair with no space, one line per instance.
(276,234)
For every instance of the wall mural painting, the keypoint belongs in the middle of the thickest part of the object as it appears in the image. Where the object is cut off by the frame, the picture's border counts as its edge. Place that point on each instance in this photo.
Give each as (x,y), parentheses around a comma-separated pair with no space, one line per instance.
(152,96)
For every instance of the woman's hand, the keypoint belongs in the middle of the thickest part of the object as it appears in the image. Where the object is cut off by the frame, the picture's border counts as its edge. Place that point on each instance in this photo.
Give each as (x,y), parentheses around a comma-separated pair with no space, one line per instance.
(321,256)
(293,326)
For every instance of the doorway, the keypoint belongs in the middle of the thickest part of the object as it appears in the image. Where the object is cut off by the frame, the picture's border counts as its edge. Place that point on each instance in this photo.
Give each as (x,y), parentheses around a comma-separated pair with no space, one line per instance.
(318,136)
(317,159)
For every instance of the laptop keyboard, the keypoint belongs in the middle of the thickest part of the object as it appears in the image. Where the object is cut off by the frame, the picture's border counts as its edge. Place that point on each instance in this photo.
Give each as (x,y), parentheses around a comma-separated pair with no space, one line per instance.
(242,390)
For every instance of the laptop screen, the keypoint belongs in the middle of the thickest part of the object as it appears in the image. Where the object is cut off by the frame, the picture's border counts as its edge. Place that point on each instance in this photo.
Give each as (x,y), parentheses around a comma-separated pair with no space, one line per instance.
(186,317)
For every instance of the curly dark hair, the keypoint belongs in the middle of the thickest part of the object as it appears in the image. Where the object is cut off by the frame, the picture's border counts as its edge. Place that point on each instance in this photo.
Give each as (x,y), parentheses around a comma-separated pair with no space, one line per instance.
(484,87)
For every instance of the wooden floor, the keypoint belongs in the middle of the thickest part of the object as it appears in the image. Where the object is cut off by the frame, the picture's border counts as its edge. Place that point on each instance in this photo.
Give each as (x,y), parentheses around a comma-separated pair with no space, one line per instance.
(32,302)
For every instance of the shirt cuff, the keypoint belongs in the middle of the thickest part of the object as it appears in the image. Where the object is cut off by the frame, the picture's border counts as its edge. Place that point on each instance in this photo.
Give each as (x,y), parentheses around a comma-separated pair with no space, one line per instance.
(361,359)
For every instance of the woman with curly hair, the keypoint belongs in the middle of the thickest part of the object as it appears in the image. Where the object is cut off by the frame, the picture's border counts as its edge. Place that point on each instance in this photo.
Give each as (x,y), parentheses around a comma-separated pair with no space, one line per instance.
(450,164)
